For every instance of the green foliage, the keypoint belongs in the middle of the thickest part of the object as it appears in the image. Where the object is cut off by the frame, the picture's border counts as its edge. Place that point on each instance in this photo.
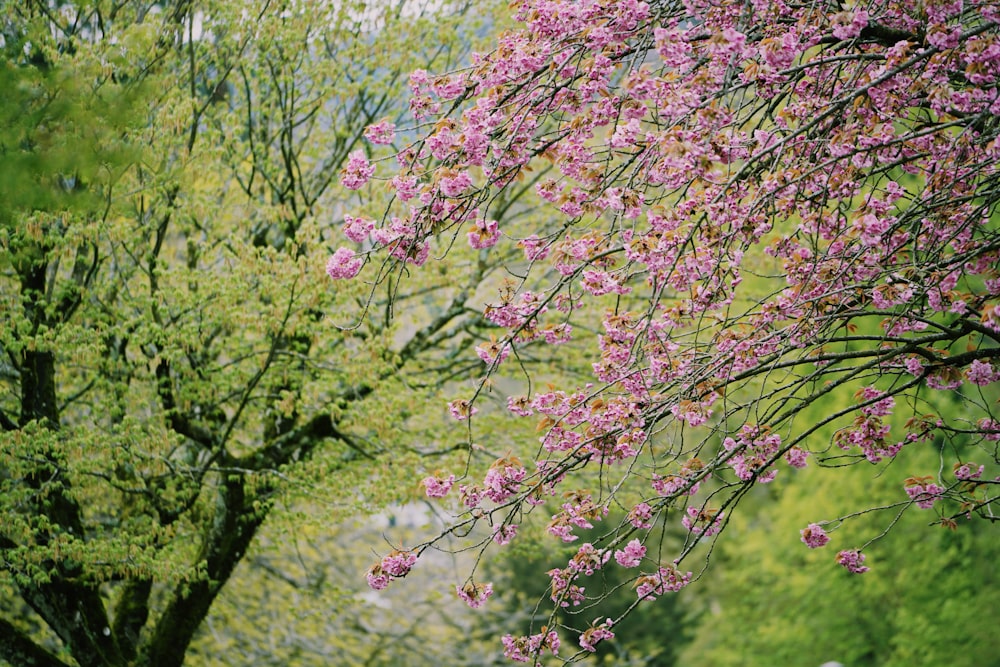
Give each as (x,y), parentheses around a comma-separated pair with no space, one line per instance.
(774,601)
(173,363)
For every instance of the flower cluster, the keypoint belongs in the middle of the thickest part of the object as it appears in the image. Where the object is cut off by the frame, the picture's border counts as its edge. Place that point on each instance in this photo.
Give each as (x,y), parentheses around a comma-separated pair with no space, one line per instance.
(922,491)
(631,555)
(525,649)
(357,172)
(395,565)
(595,634)
(814,536)
(664,580)
(435,487)
(474,595)
(852,560)
(705,522)
(753,448)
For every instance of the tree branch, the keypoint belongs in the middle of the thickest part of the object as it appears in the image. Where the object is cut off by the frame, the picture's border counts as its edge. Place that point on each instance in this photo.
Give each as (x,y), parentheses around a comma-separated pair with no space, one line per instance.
(19,650)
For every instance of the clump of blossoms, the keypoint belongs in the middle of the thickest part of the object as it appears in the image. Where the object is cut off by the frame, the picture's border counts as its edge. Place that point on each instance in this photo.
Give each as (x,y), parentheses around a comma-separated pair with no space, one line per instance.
(473,594)
(525,649)
(631,555)
(664,580)
(922,491)
(852,560)
(595,634)
(436,487)
(703,521)
(395,565)
(814,536)
(357,172)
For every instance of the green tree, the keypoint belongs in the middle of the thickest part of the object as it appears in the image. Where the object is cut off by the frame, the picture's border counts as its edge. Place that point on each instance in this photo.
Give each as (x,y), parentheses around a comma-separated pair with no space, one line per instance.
(172,362)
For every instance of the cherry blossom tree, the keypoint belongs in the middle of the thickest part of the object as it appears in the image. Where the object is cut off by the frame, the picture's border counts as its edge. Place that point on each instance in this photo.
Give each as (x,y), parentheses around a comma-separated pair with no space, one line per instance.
(755,210)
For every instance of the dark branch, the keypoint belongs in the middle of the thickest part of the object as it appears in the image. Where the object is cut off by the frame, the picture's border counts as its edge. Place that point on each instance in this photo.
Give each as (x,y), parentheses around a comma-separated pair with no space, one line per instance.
(17,649)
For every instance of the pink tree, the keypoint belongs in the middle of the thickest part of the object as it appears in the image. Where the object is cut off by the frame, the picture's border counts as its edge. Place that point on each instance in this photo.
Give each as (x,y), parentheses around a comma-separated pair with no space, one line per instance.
(774,205)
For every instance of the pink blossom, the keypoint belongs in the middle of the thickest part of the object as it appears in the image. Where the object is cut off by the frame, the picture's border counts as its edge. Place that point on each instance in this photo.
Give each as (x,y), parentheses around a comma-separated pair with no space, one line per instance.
(525,649)
(484,234)
(666,579)
(519,405)
(343,264)
(474,595)
(593,635)
(398,563)
(852,560)
(968,471)
(471,495)
(461,409)
(641,516)
(452,186)
(814,536)
(796,457)
(357,229)
(436,487)
(990,429)
(534,248)
(631,555)
(704,522)
(405,186)
(848,25)
(493,352)
(503,479)
(357,172)
(382,132)
(563,531)
(923,493)
(588,559)
(503,534)
(981,373)
(377,579)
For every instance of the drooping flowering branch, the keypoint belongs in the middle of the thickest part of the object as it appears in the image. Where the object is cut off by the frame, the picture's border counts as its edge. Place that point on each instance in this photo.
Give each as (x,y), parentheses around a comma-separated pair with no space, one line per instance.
(775,205)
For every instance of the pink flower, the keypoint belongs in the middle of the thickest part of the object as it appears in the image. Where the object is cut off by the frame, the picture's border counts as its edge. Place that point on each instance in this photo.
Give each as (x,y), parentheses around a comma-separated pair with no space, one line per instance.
(592,636)
(704,522)
(519,405)
(474,595)
(382,132)
(524,649)
(588,559)
(848,25)
(503,479)
(640,516)
(852,560)
(357,229)
(484,235)
(968,471)
(405,187)
(534,248)
(343,264)
(631,555)
(923,493)
(452,186)
(502,535)
(461,410)
(666,579)
(398,563)
(493,352)
(436,487)
(357,172)
(796,457)
(981,373)
(377,579)
(814,536)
